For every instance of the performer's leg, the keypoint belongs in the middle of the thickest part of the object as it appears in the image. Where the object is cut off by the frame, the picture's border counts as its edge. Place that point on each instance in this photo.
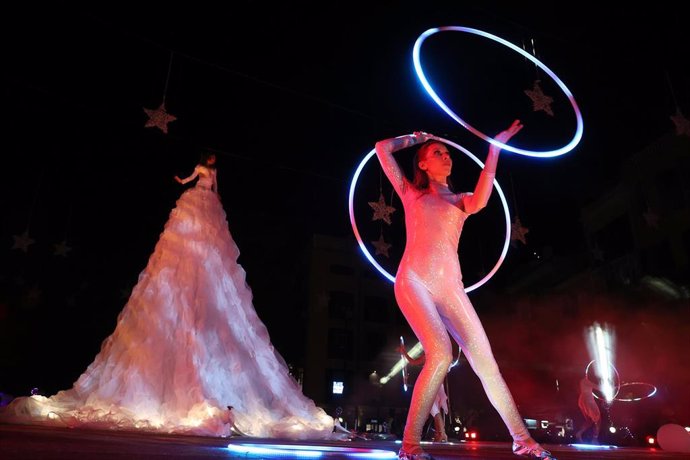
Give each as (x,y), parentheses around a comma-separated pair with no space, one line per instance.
(588,423)
(419,309)
(595,434)
(438,411)
(440,427)
(437,415)
(466,328)
(585,426)
(464,325)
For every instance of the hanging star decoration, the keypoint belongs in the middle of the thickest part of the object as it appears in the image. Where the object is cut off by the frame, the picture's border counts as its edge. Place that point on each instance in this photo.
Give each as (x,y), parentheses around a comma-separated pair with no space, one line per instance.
(381,246)
(651,218)
(61,249)
(518,232)
(682,123)
(540,101)
(381,210)
(23,241)
(159,118)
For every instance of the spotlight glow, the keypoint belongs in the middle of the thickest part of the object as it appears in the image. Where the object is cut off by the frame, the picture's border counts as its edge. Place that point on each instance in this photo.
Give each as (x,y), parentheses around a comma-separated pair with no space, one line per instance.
(383,271)
(600,343)
(427,86)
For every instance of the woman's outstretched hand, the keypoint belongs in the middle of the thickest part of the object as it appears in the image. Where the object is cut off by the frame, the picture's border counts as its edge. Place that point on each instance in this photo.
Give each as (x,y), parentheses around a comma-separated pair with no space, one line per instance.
(505,136)
(178,179)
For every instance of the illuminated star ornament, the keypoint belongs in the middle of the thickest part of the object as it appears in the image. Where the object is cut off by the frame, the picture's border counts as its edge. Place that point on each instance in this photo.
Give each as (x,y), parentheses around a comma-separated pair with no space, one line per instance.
(381,210)
(159,118)
(23,241)
(682,123)
(540,101)
(61,249)
(381,246)
(518,232)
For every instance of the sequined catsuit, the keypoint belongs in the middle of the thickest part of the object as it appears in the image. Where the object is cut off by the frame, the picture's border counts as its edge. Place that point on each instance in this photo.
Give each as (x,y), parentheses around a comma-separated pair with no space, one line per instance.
(430,293)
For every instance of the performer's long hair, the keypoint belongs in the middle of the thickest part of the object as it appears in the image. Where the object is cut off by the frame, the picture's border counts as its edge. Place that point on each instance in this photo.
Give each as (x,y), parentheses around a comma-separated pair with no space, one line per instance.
(204,157)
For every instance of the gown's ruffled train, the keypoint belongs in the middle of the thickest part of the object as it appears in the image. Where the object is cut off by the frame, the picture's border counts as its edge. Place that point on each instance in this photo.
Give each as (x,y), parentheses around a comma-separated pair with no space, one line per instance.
(187,345)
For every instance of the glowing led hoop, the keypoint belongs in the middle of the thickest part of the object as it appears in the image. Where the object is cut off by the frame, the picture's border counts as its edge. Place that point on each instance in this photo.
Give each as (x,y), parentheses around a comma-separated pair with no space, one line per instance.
(618,379)
(382,270)
(651,391)
(533,153)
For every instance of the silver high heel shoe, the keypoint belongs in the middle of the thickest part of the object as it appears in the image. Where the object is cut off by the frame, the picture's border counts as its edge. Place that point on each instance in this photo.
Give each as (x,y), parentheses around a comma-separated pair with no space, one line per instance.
(535,451)
(402,455)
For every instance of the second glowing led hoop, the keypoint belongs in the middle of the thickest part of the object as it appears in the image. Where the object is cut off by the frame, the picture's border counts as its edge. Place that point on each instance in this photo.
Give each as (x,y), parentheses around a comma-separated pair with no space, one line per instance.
(644,391)
(533,153)
(383,271)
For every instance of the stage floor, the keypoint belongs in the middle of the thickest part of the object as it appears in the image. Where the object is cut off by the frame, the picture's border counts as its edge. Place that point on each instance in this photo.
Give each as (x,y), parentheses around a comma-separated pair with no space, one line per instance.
(28,442)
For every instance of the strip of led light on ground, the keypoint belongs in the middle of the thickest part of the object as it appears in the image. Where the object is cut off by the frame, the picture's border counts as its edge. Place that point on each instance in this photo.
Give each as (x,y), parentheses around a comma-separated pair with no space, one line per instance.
(307,451)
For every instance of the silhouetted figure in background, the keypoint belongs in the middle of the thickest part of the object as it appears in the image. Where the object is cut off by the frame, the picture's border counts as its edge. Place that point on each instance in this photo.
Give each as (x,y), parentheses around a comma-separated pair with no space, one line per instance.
(590,410)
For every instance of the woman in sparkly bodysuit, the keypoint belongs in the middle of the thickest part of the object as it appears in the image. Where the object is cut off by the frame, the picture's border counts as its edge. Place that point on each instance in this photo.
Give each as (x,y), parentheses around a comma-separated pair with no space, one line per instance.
(429,288)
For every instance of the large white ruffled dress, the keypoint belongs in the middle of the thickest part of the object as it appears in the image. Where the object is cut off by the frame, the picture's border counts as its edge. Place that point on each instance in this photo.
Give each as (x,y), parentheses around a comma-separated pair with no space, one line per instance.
(187,345)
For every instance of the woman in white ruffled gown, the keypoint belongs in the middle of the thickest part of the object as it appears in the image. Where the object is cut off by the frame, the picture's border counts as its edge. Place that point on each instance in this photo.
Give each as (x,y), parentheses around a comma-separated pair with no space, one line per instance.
(187,345)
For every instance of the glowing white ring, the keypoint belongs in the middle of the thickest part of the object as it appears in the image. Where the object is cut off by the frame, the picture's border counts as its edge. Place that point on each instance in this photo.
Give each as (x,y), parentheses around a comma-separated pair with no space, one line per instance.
(544,154)
(618,378)
(382,270)
(649,395)
(404,366)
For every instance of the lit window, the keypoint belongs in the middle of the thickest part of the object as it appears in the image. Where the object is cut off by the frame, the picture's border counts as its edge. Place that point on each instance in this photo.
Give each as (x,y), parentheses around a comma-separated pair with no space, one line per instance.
(338,387)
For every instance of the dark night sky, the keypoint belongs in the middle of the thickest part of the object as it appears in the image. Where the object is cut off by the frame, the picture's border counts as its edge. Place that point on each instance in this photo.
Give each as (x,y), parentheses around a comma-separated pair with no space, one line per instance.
(291,97)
